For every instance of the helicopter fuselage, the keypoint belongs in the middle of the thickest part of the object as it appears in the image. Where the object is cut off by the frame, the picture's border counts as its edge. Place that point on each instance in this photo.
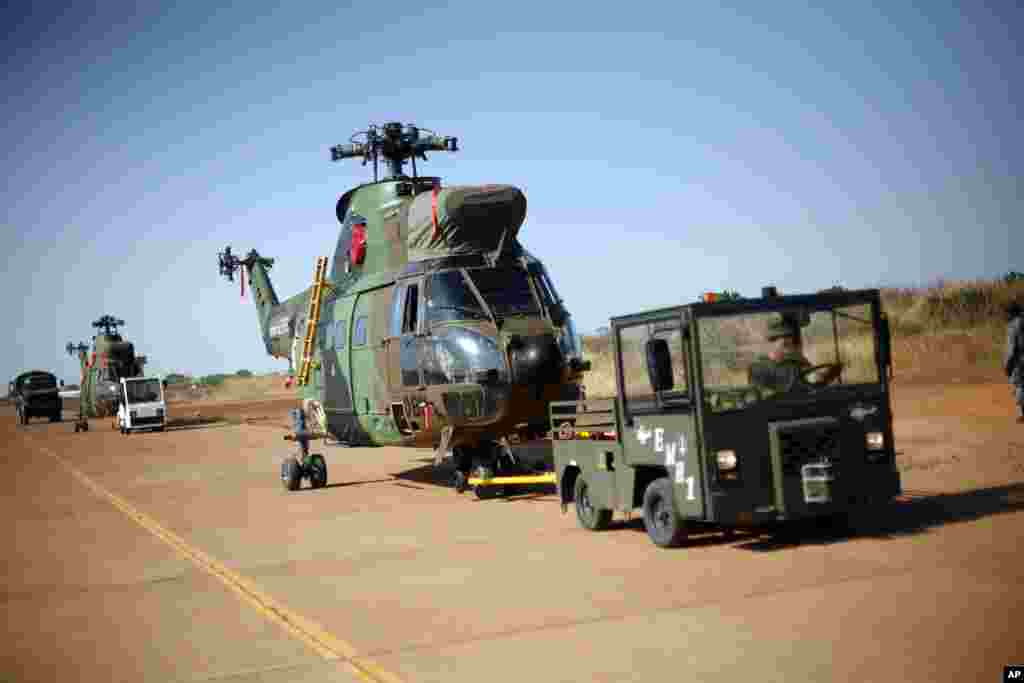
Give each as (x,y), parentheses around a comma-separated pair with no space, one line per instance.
(467,338)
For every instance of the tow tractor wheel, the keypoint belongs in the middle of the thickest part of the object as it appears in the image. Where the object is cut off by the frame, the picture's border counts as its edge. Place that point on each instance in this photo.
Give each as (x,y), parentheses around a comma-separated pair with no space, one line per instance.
(590,517)
(661,517)
(317,471)
(460,481)
(291,474)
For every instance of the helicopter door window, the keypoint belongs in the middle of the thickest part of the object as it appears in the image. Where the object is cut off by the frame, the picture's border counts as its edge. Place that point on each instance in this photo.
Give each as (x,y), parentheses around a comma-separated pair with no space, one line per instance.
(410,319)
(359,333)
(397,309)
(339,334)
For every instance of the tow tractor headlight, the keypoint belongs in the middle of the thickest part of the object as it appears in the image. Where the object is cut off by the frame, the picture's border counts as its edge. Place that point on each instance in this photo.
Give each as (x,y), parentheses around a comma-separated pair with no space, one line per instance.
(875,441)
(726,461)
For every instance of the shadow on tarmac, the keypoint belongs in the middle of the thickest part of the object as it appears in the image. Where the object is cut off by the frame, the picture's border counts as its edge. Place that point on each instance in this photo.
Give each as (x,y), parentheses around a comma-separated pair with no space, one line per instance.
(915,512)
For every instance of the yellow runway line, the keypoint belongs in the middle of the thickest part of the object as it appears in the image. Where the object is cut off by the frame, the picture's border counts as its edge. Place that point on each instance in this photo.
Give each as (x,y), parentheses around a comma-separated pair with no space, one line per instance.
(312,634)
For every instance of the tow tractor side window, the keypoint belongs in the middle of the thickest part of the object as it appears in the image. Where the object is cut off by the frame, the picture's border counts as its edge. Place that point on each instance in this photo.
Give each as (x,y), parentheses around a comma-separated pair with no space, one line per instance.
(639,394)
(636,389)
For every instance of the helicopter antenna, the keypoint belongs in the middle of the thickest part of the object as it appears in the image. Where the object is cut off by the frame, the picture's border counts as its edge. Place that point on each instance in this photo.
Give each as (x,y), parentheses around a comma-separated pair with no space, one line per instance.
(395,143)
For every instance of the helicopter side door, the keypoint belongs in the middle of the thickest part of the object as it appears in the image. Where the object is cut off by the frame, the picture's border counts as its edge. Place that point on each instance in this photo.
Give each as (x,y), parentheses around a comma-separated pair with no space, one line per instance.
(337,392)
(369,325)
(404,375)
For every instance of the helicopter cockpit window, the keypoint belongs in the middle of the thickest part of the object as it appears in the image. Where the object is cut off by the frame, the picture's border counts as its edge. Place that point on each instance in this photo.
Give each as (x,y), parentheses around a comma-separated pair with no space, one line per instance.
(448,297)
(506,290)
(458,355)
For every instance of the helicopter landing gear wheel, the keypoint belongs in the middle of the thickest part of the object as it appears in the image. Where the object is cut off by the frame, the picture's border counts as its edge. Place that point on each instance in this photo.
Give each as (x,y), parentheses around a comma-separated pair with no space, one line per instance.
(291,474)
(317,471)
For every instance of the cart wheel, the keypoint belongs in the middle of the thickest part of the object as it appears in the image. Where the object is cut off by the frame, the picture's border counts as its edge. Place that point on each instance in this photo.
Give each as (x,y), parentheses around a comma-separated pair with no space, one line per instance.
(661,518)
(460,481)
(590,517)
(317,471)
(291,474)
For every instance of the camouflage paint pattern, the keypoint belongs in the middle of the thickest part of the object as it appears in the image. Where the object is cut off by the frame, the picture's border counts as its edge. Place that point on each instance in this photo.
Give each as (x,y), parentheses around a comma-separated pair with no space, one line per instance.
(356,389)
(111,359)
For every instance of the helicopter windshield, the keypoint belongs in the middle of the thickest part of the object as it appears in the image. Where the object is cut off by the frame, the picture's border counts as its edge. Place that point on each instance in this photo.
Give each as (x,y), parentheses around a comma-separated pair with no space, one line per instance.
(458,354)
(448,297)
(506,290)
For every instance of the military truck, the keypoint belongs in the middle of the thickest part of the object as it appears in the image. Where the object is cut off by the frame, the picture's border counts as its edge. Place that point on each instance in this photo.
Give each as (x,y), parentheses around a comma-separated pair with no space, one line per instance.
(737,413)
(36,394)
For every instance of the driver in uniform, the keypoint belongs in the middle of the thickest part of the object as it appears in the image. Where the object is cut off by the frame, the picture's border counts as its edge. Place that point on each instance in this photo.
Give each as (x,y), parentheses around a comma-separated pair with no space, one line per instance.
(782,369)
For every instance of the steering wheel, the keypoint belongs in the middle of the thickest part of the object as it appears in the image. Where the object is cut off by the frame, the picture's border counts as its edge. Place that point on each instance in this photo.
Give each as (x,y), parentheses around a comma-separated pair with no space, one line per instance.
(832,374)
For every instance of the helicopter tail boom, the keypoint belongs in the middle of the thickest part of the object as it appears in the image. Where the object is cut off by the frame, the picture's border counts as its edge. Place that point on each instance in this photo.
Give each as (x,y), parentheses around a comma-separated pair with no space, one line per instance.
(256,274)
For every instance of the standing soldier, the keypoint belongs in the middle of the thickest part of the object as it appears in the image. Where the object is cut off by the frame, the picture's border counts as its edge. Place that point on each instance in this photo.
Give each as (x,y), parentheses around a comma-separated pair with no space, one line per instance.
(1014,363)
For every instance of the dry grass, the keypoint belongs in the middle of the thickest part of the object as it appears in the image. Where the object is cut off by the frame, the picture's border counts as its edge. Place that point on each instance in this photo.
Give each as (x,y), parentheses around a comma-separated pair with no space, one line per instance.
(233,389)
(949,331)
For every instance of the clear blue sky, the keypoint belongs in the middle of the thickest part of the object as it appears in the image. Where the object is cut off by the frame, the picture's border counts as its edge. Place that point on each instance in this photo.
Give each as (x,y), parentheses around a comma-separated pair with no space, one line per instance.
(665,149)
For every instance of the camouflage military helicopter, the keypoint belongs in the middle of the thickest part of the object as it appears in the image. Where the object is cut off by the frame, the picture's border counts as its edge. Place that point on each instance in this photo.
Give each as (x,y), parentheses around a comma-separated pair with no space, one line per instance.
(112,358)
(435,326)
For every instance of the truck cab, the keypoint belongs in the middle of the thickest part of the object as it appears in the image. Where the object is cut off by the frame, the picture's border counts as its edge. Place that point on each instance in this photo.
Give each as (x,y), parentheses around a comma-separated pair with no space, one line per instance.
(36,394)
(141,404)
(736,412)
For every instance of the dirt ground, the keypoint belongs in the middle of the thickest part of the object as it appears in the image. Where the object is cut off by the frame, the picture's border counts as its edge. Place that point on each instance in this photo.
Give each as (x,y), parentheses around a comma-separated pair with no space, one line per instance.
(179,556)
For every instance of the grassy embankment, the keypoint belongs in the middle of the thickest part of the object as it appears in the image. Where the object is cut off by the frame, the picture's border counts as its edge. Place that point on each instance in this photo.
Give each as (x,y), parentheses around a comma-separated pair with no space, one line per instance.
(948,332)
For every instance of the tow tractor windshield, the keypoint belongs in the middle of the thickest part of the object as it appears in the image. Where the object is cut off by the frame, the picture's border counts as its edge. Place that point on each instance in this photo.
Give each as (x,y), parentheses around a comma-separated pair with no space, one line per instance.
(146,391)
(754,357)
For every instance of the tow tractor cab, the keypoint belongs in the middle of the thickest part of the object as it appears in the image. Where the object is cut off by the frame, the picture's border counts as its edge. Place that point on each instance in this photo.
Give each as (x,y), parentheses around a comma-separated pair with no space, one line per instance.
(718,419)
(141,404)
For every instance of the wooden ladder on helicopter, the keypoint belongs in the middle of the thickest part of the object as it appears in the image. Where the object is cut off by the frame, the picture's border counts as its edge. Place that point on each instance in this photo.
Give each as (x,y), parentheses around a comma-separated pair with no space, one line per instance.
(313,319)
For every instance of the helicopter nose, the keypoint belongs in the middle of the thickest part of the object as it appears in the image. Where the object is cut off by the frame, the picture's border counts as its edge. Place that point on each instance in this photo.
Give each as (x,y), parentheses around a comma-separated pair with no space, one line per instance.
(535,359)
